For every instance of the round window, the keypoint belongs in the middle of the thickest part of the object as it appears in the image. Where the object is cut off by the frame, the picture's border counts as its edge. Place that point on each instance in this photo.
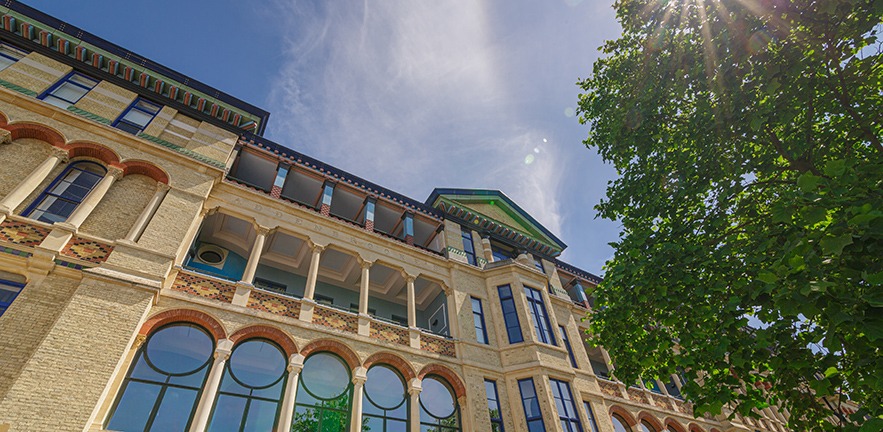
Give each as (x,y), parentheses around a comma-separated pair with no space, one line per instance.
(179,349)
(325,376)
(384,387)
(436,398)
(257,364)
(210,256)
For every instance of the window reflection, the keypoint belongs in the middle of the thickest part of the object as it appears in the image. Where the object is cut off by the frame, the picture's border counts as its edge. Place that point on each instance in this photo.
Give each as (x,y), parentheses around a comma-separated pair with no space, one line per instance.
(324,395)
(619,425)
(438,406)
(385,402)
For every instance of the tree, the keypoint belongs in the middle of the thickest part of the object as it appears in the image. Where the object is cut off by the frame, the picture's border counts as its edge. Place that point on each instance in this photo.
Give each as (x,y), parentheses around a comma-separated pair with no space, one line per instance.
(747,139)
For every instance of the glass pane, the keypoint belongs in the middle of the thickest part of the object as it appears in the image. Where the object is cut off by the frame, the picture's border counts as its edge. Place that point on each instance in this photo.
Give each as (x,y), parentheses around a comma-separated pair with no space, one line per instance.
(128,127)
(536,426)
(61,103)
(5,62)
(325,375)
(257,363)
(179,349)
(134,407)
(69,92)
(147,107)
(333,421)
(82,80)
(261,416)
(175,410)
(138,117)
(436,398)
(619,425)
(384,387)
(227,414)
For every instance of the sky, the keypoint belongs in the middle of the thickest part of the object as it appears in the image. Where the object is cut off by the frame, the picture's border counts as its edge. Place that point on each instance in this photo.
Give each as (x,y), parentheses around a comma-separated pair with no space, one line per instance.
(411,95)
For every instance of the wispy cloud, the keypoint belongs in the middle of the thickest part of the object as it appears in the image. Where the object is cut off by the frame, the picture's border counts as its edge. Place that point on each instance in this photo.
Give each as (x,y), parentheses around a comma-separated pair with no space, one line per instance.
(412,95)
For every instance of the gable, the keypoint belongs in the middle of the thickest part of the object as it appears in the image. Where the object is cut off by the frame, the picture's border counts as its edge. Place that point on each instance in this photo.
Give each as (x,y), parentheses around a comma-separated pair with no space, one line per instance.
(496,213)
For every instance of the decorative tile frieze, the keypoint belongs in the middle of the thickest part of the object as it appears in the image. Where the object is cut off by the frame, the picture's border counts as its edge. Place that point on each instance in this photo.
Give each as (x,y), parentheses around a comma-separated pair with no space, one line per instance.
(389,333)
(87,250)
(274,304)
(22,233)
(437,345)
(610,388)
(638,395)
(203,287)
(335,319)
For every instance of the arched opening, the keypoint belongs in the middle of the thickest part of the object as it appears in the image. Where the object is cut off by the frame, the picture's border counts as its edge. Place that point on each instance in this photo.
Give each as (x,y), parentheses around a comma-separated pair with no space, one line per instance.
(385,402)
(438,405)
(619,423)
(58,200)
(324,395)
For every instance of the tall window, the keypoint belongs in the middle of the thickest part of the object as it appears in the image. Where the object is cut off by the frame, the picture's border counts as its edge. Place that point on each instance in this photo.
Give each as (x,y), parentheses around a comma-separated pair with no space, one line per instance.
(478,320)
(673,389)
(591,416)
(510,314)
(493,406)
(9,290)
(385,403)
(68,91)
(137,116)
(541,324)
(619,425)
(438,408)
(468,246)
(9,55)
(538,263)
(251,389)
(567,413)
(165,381)
(66,192)
(651,385)
(566,341)
(647,427)
(324,395)
(531,405)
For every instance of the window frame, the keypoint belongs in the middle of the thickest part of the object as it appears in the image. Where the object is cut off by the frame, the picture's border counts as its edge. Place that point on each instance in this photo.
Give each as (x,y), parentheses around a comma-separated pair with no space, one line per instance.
(590,413)
(570,417)
(387,416)
(566,341)
(478,317)
(121,119)
(498,421)
(7,51)
(511,326)
(67,79)
(4,283)
(540,316)
(348,392)
(435,423)
(537,419)
(469,247)
(49,190)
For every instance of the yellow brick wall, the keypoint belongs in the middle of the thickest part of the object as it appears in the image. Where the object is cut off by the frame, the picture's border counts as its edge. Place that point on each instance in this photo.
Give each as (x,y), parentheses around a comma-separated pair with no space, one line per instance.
(35,72)
(180,130)
(18,159)
(155,127)
(212,141)
(106,100)
(120,207)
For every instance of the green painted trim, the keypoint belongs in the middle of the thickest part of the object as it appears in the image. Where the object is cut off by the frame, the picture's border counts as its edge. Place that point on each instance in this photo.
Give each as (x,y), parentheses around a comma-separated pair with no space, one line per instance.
(481,261)
(15,252)
(455,251)
(88,115)
(182,150)
(18,88)
(531,231)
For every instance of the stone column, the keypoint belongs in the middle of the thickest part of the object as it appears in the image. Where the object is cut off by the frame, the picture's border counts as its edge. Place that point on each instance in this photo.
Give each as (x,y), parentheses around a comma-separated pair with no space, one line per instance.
(244,286)
(414,389)
(465,414)
(310,288)
(146,215)
(486,248)
(412,302)
(30,183)
(207,400)
(364,285)
(295,365)
(359,378)
(91,201)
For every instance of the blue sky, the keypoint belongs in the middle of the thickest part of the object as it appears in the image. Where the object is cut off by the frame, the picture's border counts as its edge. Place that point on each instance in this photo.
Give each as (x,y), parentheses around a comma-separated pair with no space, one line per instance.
(409,94)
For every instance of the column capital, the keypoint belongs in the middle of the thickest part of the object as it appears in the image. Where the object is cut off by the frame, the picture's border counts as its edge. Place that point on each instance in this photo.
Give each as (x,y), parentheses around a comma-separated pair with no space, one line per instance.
(60,153)
(262,230)
(162,187)
(208,211)
(409,278)
(415,386)
(315,247)
(139,340)
(5,136)
(365,264)
(116,173)
(360,375)
(295,363)
(222,354)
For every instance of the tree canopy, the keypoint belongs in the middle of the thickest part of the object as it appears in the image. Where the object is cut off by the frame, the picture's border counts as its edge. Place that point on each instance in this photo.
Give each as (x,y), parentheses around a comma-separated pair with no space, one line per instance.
(747,139)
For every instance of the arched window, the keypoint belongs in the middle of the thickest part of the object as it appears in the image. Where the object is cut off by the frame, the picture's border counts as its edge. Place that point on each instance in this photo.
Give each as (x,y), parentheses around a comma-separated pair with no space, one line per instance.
(165,381)
(251,390)
(438,406)
(619,425)
(647,427)
(385,403)
(324,395)
(66,192)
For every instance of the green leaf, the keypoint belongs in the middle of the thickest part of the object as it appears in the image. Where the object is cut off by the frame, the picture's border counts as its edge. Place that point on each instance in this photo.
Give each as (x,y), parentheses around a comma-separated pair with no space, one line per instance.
(831,371)
(872,425)
(835,168)
(833,245)
(808,182)
(767,276)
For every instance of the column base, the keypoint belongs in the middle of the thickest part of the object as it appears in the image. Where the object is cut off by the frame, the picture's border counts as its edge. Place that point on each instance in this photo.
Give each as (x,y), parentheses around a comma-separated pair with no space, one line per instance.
(364,325)
(306,310)
(414,337)
(243,292)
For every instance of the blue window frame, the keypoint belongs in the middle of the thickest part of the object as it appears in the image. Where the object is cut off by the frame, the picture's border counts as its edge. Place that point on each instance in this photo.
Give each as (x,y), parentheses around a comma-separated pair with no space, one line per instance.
(9,55)
(493,406)
(68,91)
(468,246)
(531,404)
(541,324)
(9,290)
(567,413)
(137,116)
(566,341)
(478,319)
(66,192)
(591,415)
(673,389)
(510,314)
(538,263)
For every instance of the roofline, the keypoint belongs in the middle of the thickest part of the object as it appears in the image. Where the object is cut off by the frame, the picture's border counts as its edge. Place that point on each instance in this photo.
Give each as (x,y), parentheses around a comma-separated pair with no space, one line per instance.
(591,277)
(115,49)
(372,187)
(437,192)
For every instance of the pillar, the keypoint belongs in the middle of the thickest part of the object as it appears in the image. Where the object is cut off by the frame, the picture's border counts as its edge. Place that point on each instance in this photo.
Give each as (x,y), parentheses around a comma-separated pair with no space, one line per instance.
(408,227)
(327,194)
(295,365)
(412,302)
(279,181)
(310,288)
(255,256)
(359,378)
(146,215)
(91,201)
(204,408)
(370,206)
(465,414)
(486,247)
(414,389)
(364,287)
(30,183)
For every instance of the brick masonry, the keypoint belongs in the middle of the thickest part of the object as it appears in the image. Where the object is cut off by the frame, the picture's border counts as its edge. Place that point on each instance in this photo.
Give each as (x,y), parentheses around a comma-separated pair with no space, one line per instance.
(389,333)
(195,285)
(335,319)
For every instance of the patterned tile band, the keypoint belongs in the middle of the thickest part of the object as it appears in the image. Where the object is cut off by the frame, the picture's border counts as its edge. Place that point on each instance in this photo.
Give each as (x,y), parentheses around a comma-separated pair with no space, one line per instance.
(386,332)
(276,305)
(87,250)
(437,345)
(336,320)
(22,233)
(199,286)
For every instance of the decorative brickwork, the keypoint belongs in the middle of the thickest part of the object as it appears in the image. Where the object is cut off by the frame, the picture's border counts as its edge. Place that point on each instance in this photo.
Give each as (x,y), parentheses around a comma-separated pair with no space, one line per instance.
(184,315)
(662,402)
(638,395)
(674,425)
(393,360)
(274,304)
(22,233)
(437,345)
(145,168)
(87,250)
(389,333)
(369,225)
(649,418)
(15,252)
(625,415)
(93,150)
(447,374)
(35,131)
(266,332)
(333,346)
(335,319)
(276,192)
(325,210)
(609,388)
(196,285)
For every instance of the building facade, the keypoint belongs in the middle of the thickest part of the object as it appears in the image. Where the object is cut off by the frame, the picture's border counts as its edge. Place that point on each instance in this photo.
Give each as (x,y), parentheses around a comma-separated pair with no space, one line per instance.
(164,267)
